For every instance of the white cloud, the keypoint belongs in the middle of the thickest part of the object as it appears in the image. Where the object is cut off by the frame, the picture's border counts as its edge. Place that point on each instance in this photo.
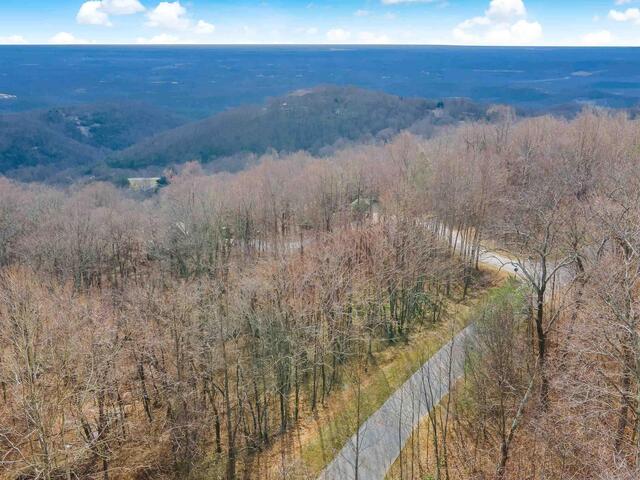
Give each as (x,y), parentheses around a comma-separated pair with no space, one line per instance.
(204,28)
(503,23)
(96,12)
(362,13)
(13,40)
(162,39)
(91,13)
(506,9)
(170,15)
(623,2)
(66,38)
(122,7)
(629,15)
(338,35)
(592,39)
(372,38)
(521,32)
(475,21)
(525,32)
(173,16)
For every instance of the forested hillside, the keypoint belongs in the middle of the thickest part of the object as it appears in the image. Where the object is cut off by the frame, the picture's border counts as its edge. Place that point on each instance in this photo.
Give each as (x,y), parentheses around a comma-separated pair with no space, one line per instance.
(111,141)
(305,120)
(39,145)
(186,334)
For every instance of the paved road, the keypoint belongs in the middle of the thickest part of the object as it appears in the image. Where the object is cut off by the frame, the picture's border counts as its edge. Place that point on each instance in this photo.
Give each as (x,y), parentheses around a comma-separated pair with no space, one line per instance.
(382,436)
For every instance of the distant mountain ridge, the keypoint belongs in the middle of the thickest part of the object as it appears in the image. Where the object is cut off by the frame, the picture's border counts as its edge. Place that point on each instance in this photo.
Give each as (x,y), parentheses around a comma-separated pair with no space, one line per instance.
(304,120)
(100,141)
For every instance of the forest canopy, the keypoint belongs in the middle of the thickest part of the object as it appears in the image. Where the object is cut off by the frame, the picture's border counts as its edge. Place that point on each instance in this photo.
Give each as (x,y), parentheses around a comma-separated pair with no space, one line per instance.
(179,335)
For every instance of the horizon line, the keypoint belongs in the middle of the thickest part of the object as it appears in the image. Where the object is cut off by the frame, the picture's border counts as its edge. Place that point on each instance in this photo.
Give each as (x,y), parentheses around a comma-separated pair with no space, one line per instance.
(329,45)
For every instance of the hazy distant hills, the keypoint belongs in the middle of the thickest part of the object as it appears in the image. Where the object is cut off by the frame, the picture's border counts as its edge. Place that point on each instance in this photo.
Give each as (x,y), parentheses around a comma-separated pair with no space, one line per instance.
(110,139)
(198,81)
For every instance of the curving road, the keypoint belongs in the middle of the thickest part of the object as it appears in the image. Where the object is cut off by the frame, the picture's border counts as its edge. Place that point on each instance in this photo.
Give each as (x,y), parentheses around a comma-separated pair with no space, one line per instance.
(370,452)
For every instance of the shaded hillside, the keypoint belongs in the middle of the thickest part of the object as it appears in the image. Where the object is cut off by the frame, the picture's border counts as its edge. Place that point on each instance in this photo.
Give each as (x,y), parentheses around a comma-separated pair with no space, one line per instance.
(304,120)
(74,137)
(111,126)
(28,141)
(111,141)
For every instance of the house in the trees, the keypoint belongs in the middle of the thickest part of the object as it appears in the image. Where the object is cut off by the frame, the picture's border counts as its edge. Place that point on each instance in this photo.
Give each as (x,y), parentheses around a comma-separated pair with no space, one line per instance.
(144,184)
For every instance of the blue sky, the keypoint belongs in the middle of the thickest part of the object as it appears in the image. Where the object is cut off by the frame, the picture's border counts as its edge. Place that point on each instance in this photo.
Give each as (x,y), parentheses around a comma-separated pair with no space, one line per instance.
(457,22)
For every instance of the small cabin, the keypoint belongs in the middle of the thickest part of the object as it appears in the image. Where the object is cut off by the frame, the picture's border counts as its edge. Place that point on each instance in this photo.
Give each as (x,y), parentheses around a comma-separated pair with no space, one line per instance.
(144,184)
